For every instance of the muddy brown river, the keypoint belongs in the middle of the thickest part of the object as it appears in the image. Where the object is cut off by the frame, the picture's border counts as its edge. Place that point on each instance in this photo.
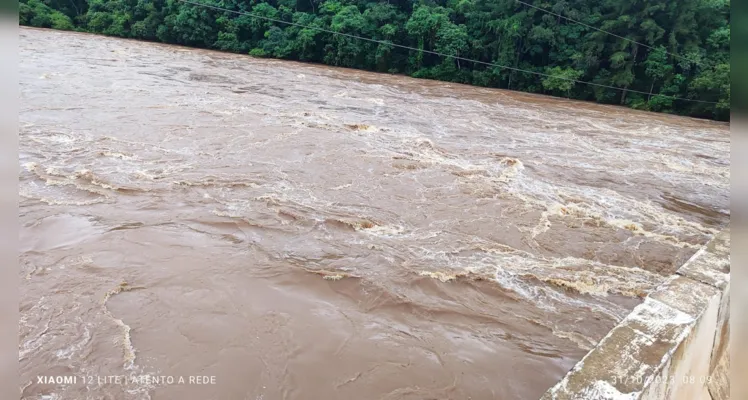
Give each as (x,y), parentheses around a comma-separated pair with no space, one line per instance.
(269,230)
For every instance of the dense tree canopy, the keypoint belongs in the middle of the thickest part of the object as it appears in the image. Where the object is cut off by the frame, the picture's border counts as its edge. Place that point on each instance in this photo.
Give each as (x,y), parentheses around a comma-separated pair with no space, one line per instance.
(683,47)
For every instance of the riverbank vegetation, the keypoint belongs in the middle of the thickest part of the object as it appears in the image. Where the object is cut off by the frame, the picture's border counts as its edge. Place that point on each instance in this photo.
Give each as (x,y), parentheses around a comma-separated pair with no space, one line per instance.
(677,48)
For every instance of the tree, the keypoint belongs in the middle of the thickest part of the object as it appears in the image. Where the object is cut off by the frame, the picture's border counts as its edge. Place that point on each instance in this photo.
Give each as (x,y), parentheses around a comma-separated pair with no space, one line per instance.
(36,13)
(561,80)
(639,57)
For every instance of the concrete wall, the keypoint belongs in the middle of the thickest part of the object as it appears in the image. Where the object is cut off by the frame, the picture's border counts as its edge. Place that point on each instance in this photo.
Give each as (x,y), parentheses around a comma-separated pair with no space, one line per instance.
(672,346)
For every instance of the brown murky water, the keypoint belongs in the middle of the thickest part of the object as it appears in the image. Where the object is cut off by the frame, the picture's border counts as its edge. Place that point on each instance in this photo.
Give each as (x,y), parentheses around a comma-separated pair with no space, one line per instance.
(306,232)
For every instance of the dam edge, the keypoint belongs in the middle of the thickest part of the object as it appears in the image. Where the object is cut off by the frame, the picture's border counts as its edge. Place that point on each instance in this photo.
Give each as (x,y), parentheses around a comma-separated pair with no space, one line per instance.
(675,345)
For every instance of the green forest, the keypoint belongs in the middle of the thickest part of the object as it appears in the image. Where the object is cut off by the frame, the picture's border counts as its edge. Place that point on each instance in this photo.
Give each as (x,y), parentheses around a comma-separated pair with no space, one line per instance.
(652,50)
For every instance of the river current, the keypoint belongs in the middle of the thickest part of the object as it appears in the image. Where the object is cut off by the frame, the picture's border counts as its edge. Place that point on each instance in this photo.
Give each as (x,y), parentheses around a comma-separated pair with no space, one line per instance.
(295,231)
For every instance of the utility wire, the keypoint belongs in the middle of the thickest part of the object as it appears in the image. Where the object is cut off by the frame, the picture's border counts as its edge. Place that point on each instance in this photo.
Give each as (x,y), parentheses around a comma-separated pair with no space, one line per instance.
(602,30)
(438,53)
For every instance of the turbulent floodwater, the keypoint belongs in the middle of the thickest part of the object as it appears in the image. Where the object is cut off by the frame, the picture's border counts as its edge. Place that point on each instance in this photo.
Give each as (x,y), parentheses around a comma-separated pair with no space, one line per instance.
(306,232)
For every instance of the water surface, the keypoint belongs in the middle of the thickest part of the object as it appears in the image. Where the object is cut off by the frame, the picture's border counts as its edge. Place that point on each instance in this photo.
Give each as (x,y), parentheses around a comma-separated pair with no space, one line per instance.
(307,232)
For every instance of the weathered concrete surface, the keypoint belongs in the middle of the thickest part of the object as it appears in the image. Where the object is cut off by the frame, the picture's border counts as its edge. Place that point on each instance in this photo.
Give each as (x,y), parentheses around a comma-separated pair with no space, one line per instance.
(710,265)
(672,346)
(719,385)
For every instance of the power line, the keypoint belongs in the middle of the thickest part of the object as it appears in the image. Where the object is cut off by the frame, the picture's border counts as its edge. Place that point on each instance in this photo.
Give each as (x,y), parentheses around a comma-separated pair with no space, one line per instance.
(437,53)
(602,30)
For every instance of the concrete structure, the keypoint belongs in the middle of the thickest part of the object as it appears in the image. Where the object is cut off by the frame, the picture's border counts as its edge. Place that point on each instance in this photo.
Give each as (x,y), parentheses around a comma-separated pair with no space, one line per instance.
(672,346)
